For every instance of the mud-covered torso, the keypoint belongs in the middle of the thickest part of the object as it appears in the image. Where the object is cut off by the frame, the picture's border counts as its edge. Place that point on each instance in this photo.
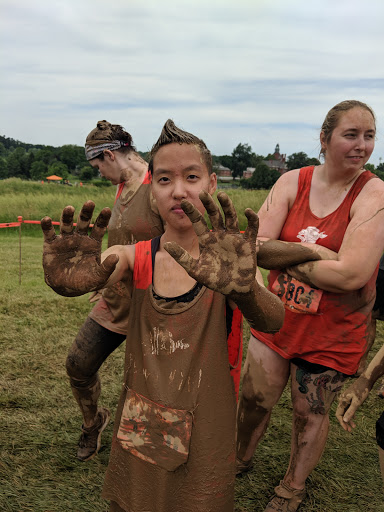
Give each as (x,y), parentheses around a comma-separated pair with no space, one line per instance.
(134,218)
(177,357)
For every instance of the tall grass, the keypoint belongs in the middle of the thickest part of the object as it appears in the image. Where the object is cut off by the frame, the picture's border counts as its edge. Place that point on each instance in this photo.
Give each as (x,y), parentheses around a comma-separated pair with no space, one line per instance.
(33,201)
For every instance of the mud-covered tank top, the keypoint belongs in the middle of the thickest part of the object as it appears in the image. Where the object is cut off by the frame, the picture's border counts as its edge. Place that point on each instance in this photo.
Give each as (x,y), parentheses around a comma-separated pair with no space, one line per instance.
(173,448)
(134,218)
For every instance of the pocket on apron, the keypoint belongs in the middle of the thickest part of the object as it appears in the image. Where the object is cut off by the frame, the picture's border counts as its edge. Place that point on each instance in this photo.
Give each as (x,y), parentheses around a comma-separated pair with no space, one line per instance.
(154,433)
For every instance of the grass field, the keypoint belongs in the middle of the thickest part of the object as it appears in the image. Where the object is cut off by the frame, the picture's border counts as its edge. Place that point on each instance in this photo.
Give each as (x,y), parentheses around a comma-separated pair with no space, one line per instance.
(40,424)
(32,201)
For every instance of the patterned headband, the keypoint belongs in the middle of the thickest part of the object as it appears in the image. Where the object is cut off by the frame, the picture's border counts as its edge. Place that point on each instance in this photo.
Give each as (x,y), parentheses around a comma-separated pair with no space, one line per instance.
(95,151)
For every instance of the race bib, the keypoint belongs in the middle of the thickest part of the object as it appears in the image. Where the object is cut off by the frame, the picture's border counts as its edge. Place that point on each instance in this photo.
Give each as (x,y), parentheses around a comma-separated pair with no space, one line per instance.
(297,296)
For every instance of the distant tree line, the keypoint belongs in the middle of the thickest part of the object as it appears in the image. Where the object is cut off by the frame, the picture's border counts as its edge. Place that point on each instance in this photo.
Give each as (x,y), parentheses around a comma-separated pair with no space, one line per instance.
(263,176)
(36,162)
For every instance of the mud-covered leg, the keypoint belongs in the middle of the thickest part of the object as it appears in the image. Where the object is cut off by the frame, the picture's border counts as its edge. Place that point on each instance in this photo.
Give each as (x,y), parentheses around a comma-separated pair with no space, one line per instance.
(313,391)
(312,396)
(265,377)
(91,347)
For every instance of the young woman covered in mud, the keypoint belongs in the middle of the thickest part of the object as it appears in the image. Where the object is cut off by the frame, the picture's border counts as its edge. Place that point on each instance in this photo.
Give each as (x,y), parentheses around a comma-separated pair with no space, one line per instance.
(134,218)
(173,447)
(337,205)
(354,396)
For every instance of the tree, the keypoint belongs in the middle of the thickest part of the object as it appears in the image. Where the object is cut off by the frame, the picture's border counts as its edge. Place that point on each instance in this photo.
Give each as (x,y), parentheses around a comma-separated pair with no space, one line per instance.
(313,161)
(224,160)
(263,177)
(59,169)
(15,163)
(46,155)
(256,160)
(301,159)
(3,168)
(87,173)
(379,171)
(370,167)
(72,156)
(241,159)
(39,170)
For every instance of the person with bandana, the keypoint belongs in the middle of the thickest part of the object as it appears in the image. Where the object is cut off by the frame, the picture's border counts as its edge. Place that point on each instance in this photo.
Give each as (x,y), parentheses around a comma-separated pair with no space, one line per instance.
(109,148)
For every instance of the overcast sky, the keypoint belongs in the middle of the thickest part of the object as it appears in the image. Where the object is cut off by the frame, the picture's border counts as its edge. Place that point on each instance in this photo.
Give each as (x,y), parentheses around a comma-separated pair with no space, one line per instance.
(253,71)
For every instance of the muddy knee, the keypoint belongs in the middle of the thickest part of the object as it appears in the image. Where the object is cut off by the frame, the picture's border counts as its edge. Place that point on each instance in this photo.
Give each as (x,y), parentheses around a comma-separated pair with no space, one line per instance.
(90,349)
(258,394)
(78,370)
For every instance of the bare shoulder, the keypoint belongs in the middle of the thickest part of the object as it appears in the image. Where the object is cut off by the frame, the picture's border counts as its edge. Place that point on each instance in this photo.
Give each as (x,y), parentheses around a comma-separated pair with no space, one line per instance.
(286,186)
(371,197)
(275,208)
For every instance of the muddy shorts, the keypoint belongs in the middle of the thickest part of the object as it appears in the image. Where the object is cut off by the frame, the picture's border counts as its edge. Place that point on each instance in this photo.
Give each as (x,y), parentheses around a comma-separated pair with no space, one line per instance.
(380,431)
(379,303)
(315,368)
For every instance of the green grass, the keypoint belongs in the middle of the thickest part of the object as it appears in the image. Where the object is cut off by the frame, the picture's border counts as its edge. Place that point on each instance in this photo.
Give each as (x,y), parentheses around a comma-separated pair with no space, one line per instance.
(33,201)
(40,423)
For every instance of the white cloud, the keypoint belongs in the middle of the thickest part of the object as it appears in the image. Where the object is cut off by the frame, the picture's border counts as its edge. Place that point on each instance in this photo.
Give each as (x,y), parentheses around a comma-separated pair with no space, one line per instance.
(233,71)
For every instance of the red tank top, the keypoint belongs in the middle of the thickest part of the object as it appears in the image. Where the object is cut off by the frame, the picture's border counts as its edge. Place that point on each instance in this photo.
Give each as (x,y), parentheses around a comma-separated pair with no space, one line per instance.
(332,331)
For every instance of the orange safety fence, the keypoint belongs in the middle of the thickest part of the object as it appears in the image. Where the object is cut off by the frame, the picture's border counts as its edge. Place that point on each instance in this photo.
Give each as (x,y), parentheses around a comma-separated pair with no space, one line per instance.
(21,221)
(18,224)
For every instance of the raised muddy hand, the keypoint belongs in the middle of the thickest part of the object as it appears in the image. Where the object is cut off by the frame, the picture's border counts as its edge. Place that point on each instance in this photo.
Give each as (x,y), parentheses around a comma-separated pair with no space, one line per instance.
(227,261)
(72,260)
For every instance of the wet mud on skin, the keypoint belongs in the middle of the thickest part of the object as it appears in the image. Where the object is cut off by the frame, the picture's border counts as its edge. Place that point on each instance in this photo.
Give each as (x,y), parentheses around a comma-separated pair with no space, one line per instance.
(91,347)
(71,260)
(270,198)
(255,406)
(274,254)
(299,428)
(227,261)
(255,416)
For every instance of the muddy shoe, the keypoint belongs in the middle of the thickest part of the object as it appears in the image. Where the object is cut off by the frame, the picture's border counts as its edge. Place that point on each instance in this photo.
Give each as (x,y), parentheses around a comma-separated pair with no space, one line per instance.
(286,499)
(243,466)
(90,440)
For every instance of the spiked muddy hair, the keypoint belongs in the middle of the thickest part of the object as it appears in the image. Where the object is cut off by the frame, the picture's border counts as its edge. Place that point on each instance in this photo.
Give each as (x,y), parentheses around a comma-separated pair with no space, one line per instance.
(171,134)
(333,117)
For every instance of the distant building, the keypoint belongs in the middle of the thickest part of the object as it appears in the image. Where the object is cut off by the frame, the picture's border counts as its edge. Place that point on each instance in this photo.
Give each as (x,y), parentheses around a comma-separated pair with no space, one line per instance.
(277,161)
(248,172)
(223,173)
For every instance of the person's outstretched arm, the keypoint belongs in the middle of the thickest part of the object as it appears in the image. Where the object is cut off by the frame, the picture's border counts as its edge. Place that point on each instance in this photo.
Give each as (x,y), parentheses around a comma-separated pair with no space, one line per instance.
(227,261)
(352,398)
(72,261)
(276,254)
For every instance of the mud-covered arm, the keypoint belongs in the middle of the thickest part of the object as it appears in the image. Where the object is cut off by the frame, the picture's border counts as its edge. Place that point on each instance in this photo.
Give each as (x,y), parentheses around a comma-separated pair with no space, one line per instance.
(352,397)
(276,254)
(227,261)
(72,260)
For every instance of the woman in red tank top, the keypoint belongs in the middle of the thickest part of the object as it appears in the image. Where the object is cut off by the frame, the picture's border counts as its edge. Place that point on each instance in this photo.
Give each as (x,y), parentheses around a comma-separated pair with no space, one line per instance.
(328,304)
